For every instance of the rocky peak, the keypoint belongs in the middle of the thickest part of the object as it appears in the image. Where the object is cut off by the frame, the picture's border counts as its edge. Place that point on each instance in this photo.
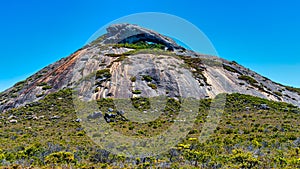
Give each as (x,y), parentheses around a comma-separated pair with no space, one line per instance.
(129,33)
(112,68)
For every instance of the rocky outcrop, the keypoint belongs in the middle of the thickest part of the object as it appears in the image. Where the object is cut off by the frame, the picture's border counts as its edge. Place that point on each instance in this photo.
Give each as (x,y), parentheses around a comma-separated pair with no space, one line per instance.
(128,33)
(168,73)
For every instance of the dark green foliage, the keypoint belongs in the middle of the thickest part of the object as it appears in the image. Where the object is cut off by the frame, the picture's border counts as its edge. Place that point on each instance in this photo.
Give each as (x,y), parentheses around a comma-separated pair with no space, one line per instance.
(60,158)
(141,45)
(147,78)
(252,82)
(104,73)
(98,40)
(40,95)
(153,86)
(133,79)
(42,84)
(234,63)
(141,103)
(278,93)
(196,65)
(21,83)
(293,89)
(47,87)
(137,92)
(105,103)
(248,79)
(121,57)
(39,76)
(226,67)
(17,87)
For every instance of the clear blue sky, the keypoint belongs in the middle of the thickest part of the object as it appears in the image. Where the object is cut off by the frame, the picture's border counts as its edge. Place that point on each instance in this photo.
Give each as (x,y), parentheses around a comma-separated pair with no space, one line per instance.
(261,35)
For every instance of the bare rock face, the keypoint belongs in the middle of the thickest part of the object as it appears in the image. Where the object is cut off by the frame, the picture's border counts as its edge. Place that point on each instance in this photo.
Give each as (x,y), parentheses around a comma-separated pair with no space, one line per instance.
(128,33)
(175,72)
(162,79)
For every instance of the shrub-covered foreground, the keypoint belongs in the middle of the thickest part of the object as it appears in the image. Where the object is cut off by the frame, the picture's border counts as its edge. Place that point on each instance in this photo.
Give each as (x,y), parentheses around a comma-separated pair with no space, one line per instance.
(252,133)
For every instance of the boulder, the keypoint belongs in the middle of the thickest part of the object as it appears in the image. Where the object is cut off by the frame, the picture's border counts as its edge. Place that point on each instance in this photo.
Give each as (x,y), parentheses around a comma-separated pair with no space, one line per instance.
(13,121)
(264,107)
(108,117)
(95,115)
(55,117)
(120,112)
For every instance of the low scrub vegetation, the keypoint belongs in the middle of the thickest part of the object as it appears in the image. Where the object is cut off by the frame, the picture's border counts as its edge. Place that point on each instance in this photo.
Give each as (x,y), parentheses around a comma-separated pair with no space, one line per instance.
(247,136)
(141,45)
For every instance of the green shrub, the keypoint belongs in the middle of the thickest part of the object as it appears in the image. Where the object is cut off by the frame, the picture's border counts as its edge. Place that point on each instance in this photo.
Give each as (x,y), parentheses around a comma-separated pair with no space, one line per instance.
(42,84)
(103,73)
(47,87)
(141,45)
(141,103)
(234,62)
(2,156)
(136,92)
(133,79)
(292,89)
(40,95)
(226,67)
(247,79)
(153,86)
(60,157)
(278,93)
(147,78)
(65,135)
(243,159)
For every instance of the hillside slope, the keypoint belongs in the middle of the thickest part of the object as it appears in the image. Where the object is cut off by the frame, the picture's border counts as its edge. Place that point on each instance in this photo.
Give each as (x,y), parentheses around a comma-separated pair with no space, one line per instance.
(54,118)
(206,75)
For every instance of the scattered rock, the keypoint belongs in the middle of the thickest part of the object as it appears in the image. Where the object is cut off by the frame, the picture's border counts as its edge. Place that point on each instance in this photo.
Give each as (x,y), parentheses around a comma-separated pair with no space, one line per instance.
(35,118)
(31,117)
(110,95)
(296,111)
(109,117)
(78,120)
(264,107)
(110,110)
(13,121)
(12,117)
(55,117)
(297,142)
(95,115)
(120,112)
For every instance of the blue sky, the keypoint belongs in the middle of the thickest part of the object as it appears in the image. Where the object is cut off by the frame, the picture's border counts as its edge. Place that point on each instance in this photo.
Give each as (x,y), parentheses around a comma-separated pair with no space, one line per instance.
(261,35)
